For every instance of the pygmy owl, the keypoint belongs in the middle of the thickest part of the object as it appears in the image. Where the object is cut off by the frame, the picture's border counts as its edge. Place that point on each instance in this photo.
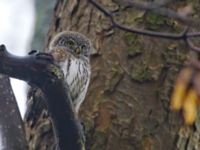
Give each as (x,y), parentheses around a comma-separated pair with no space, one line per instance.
(71,51)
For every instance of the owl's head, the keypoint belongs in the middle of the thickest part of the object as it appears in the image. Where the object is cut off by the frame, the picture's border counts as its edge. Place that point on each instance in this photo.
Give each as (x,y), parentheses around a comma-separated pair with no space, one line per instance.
(73,42)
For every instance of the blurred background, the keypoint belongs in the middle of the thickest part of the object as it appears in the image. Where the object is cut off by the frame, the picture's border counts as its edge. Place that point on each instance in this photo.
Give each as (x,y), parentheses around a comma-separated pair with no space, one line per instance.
(24,25)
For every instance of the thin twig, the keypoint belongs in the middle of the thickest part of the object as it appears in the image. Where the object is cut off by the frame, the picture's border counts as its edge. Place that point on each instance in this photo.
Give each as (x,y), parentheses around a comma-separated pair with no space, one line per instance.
(184,35)
(156,7)
(192,46)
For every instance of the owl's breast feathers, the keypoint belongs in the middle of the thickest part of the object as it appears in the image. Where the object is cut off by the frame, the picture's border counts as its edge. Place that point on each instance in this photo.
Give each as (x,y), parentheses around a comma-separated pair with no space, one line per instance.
(76,73)
(77,76)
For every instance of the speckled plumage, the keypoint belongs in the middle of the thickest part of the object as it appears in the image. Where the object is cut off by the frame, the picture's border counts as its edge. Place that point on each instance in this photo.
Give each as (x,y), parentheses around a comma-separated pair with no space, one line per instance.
(71,51)
(74,61)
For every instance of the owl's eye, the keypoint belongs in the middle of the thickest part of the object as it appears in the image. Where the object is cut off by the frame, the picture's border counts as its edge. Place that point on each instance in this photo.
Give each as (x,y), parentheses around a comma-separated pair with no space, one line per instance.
(71,43)
(83,47)
(62,42)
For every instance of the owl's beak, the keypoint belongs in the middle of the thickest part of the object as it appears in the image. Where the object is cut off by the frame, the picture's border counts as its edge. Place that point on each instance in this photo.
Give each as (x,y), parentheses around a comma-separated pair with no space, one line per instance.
(78,50)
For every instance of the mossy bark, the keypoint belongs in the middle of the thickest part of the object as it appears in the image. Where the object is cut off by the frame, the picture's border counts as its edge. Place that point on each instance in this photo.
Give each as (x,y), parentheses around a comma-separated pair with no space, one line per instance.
(127,105)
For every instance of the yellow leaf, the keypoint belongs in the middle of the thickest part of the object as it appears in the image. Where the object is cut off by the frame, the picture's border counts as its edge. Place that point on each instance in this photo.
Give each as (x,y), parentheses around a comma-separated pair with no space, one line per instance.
(190,107)
(178,96)
(180,89)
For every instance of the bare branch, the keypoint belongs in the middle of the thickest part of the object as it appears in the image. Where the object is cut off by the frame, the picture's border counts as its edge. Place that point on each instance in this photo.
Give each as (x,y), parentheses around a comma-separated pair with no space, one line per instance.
(40,71)
(192,46)
(140,31)
(156,7)
(184,35)
(143,5)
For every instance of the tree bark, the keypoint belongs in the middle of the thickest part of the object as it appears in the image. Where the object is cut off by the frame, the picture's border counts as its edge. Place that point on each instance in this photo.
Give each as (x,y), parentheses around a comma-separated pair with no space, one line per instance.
(12,135)
(127,105)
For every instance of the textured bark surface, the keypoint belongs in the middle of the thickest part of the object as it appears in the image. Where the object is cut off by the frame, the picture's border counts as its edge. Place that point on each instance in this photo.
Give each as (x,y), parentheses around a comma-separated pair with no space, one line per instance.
(11,125)
(127,105)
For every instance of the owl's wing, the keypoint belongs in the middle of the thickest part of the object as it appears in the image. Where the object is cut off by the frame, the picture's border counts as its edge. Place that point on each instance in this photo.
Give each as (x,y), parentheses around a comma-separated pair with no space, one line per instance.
(39,133)
(81,95)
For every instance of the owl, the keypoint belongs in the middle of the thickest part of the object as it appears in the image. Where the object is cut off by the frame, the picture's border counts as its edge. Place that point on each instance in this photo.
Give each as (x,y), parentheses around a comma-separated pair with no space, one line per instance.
(71,51)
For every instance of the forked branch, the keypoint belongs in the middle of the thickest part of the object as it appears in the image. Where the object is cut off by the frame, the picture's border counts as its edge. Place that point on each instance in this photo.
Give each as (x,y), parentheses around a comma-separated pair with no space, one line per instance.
(185,35)
(38,69)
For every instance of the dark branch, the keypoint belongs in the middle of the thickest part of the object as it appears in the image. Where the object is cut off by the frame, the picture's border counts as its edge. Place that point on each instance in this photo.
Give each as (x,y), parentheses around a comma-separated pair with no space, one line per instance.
(156,7)
(11,124)
(140,31)
(143,5)
(40,71)
(192,46)
(184,35)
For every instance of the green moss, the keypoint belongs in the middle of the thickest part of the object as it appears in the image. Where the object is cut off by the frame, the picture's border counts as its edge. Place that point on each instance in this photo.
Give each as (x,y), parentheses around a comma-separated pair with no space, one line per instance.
(88,125)
(173,55)
(142,73)
(154,21)
(134,50)
(130,38)
(154,18)
(100,140)
(134,46)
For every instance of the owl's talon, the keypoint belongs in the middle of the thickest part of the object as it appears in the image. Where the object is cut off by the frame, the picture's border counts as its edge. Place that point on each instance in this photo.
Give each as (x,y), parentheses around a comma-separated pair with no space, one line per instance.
(45,56)
(41,55)
(33,52)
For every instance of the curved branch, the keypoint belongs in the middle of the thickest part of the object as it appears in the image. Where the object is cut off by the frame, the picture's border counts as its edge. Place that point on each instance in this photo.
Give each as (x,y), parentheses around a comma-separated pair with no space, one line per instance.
(140,31)
(192,46)
(145,5)
(184,35)
(155,7)
(38,69)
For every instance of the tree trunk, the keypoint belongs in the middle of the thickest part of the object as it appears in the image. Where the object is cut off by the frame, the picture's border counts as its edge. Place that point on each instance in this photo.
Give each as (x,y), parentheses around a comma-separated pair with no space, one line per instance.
(127,105)
(12,135)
